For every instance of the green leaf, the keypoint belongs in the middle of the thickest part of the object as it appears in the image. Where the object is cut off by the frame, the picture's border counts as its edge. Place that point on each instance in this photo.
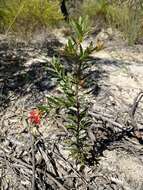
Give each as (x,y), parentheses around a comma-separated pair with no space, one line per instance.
(43,108)
(72,127)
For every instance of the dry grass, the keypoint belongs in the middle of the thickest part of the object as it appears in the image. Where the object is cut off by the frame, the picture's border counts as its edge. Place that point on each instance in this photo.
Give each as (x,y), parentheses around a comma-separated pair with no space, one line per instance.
(27,16)
(128,18)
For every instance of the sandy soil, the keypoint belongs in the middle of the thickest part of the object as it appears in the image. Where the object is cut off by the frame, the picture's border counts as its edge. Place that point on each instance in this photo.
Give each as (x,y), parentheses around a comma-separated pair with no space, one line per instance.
(119,76)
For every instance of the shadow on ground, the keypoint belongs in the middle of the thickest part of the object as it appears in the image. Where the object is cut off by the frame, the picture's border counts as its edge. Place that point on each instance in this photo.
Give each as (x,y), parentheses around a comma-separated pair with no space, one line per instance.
(17,78)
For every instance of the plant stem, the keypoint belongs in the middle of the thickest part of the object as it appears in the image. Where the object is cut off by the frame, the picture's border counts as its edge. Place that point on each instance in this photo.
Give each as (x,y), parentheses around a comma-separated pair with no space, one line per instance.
(78,73)
(33,160)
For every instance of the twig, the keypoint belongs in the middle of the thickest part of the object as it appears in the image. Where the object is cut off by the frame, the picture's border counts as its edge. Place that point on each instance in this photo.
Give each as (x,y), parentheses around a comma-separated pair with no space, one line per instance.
(71,166)
(33,160)
(29,168)
(1,178)
(56,181)
(50,176)
(134,108)
(121,183)
(49,158)
(100,116)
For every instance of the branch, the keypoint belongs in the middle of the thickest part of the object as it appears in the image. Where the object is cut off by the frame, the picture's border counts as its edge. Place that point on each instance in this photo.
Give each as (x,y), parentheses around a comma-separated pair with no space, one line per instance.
(134,108)
(103,118)
(33,161)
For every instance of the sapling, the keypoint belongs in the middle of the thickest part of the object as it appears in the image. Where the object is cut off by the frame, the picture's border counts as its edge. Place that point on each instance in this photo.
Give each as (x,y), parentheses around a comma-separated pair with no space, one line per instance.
(71,105)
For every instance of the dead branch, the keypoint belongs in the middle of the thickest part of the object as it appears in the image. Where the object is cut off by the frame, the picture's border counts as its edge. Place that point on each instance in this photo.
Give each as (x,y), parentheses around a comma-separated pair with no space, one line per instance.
(33,161)
(103,118)
(134,108)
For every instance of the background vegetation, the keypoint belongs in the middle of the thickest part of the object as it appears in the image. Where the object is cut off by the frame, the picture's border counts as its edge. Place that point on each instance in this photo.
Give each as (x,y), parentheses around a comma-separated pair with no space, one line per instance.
(27,16)
(126,16)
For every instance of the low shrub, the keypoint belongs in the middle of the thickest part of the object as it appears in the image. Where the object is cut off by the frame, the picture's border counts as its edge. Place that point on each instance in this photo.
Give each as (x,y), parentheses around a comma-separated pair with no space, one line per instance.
(69,108)
(26,16)
(96,10)
(128,18)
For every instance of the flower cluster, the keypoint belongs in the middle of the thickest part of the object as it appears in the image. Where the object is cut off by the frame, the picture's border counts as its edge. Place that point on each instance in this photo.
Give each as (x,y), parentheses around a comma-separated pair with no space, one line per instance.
(35,117)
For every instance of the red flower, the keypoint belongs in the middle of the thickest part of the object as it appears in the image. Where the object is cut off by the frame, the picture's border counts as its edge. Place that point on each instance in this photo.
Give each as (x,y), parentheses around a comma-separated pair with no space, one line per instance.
(34,117)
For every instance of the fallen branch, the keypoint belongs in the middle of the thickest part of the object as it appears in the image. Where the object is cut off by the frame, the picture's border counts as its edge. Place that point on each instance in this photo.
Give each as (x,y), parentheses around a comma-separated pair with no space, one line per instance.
(134,108)
(103,118)
(33,161)
(29,168)
(60,156)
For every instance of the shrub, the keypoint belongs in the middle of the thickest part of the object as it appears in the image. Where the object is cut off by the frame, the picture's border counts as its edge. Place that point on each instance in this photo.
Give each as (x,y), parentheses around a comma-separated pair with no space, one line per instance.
(127,18)
(71,104)
(95,9)
(26,16)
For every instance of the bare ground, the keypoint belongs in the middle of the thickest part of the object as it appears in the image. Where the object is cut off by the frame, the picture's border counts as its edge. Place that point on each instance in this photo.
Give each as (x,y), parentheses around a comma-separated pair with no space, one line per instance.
(116,79)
